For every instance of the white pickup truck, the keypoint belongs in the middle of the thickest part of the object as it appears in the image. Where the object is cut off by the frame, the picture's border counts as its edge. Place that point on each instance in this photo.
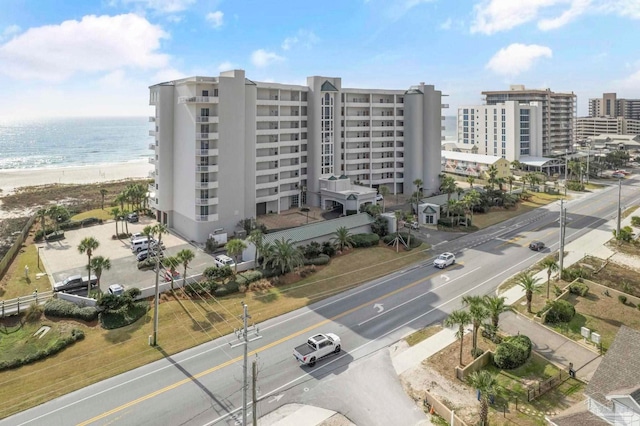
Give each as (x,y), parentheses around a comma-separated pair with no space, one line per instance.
(317,347)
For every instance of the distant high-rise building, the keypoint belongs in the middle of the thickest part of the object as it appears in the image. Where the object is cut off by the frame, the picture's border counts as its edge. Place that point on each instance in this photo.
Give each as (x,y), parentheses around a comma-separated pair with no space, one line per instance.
(610,106)
(228,148)
(510,130)
(594,126)
(558,114)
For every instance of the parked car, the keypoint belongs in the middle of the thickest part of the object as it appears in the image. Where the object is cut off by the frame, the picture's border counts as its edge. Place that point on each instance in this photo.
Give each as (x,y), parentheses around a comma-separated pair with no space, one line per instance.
(444,260)
(223,260)
(116,289)
(132,217)
(536,245)
(617,175)
(137,236)
(75,282)
(412,225)
(167,275)
(146,253)
(379,197)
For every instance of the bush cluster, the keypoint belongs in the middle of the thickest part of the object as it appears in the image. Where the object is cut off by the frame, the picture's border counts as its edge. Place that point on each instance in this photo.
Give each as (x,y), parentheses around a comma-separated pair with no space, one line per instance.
(623,299)
(248,277)
(63,309)
(321,259)
(579,288)
(415,242)
(365,240)
(560,311)
(56,346)
(148,263)
(512,352)
(572,274)
(575,185)
(71,224)
(219,274)
(110,320)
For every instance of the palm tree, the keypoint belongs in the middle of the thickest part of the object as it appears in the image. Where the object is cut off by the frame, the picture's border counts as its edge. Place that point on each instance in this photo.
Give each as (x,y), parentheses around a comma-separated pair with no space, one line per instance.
(58,212)
(550,264)
(384,191)
(448,185)
(171,262)
(100,264)
(343,238)
(470,181)
(234,248)
(116,217)
(418,183)
(492,172)
(495,305)
(257,238)
(184,256)
(529,283)
(488,386)
(478,313)
(285,256)
(472,198)
(124,213)
(516,164)
(461,319)
(103,192)
(88,245)
(510,179)
(42,213)
(120,199)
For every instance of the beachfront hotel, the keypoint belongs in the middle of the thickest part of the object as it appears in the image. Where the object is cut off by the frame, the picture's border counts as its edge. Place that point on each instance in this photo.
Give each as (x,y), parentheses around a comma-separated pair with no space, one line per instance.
(559,111)
(228,148)
(510,130)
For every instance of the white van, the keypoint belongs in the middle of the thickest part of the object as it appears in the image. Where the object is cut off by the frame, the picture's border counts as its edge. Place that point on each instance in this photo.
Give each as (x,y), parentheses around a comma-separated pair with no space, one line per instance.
(138,245)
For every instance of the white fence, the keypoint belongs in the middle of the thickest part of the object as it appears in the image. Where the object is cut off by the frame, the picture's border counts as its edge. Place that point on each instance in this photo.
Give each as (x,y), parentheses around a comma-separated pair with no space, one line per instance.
(19,304)
(78,300)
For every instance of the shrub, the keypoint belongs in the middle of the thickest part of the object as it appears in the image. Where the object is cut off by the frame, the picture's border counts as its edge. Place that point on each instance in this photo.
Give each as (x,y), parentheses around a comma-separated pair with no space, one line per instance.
(635,220)
(328,248)
(557,290)
(110,320)
(622,299)
(90,221)
(39,236)
(322,259)
(63,309)
(195,289)
(512,352)
(572,274)
(446,222)
(351,212)
(215,273)
(249,277)
(34,312)
(72,224)
(579,288)
(415,242)
(560,311)
(312,250)
(55,236)
(477,352)
(380,226)
(211,245)
(148,263)
(55,347)
(365,240)
(575,186)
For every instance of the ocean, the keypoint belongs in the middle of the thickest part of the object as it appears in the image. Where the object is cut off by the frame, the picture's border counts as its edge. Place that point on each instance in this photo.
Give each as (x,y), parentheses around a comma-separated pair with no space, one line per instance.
(80,141)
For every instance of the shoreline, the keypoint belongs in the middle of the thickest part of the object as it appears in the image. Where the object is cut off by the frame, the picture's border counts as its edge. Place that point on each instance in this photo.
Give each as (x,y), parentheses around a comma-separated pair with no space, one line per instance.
(12,179)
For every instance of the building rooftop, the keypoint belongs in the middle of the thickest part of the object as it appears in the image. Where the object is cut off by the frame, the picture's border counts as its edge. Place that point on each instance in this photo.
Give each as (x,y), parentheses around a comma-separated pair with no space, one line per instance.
(319,229)
(619,370)
(464,156)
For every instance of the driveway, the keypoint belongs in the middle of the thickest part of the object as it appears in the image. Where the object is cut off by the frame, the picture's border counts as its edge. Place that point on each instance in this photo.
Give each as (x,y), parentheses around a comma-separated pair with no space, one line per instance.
(553,346)
(62,258)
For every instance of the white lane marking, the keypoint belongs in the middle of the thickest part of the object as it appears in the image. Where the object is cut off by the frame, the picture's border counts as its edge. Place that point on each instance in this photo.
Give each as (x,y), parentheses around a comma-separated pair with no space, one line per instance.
(417,297)
(378,307)
(324,365)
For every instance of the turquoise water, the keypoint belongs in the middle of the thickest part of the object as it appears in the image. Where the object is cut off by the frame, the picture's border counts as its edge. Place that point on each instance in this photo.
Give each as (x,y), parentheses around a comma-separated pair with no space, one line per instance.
(80,141)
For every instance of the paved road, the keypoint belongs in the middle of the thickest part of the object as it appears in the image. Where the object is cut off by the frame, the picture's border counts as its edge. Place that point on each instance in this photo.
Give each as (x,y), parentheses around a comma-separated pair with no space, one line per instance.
(202,385)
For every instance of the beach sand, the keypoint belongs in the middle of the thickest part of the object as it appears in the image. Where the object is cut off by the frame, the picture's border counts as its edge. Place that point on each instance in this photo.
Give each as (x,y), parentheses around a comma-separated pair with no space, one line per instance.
(10,180)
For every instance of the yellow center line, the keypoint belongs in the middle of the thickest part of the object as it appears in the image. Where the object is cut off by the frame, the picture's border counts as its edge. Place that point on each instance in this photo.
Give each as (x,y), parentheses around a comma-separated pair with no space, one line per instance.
(263,348)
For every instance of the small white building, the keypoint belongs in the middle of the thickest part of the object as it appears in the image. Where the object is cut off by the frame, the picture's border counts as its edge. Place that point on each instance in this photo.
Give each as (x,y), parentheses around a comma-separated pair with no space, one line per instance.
(475,165)
(336,191)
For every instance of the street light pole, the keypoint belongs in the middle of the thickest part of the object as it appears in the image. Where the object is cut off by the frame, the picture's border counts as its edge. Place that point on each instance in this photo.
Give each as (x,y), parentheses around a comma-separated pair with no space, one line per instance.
(566,167)
(561,253)
(619,209)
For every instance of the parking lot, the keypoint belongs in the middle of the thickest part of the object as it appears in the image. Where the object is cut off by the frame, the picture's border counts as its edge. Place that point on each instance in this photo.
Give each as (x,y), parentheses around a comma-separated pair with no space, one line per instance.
(62,258)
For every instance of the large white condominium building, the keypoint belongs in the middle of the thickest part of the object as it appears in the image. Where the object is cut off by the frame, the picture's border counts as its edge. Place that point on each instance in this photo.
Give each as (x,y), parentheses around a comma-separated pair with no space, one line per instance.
(594,126)
(510,130)
(610,106)
(228,148)
(558,114)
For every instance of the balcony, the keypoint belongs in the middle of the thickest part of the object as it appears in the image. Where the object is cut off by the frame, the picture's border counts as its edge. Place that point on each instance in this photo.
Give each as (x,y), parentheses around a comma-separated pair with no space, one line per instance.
(209,168)
(151,188)
(152,146)
(152,119)
(152,132)
(206,119)
(197,100)
(206,152)
(444,106)
(206,136)
(206,218)
(206,201)
(152,174)
(152,160)
(207,185)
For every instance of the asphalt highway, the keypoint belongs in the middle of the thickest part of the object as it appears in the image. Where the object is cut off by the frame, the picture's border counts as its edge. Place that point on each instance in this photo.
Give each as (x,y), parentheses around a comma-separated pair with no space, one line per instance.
(202,386)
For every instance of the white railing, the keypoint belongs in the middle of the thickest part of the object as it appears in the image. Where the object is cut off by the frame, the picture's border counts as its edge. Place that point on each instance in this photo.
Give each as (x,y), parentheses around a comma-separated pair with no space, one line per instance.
(152,132)
(152,160)
(19,304)
(152,146)
(197,99)
(152,119)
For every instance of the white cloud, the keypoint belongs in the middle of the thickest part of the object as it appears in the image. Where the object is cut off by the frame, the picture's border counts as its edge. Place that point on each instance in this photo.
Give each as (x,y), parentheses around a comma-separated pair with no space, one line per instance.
(517,58)
(164,6)
(226,66)
(167,74)
(113,79)
(215,18)
(303,37)
(492,16)
(261,58)
(94,44)
(9,31)
(446,25)
(577,8)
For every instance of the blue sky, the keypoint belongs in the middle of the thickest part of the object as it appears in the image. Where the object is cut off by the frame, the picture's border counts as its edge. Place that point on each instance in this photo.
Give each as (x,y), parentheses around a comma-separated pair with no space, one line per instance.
(98,57)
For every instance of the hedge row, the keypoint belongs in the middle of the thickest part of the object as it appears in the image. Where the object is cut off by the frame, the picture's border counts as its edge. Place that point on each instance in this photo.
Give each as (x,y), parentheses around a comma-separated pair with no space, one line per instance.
(322,259)
(365,240)
(53,349)
(115,319)
(513,352)
(63,309)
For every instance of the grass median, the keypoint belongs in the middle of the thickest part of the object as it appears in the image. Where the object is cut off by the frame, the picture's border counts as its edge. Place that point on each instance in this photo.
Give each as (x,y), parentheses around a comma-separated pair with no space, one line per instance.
(184,323)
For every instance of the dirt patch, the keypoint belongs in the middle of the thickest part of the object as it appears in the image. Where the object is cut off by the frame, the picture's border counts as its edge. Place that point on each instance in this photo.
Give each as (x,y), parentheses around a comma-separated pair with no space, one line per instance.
(616,276)
(9,230)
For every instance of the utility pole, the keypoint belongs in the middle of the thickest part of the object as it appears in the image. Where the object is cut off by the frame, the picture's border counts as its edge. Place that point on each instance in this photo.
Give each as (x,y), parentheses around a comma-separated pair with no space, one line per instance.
(562,224)
(588,155)
(254,406)
(566,167)
(243,339)
(619,208)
